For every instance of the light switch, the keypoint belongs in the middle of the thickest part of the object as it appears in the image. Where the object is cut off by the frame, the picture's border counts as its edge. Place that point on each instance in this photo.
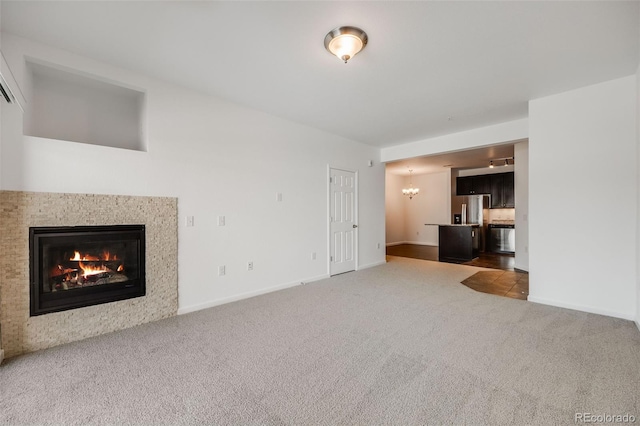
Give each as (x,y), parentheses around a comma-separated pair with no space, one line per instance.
(221,221)
(279,196)
(190,221)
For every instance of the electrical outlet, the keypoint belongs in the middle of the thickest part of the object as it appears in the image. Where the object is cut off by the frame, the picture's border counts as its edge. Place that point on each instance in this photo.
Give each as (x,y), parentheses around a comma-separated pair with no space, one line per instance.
(221,220)
(222,270)
(313,256)
(279,196)
(378,246)
(249,266)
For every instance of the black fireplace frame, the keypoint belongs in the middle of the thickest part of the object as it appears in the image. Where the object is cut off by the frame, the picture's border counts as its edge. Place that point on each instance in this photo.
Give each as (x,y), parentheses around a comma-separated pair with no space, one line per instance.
(43,303)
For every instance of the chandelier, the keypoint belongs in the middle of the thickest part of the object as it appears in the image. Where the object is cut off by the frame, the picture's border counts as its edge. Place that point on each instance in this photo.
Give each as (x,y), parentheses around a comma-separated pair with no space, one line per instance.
(411,191)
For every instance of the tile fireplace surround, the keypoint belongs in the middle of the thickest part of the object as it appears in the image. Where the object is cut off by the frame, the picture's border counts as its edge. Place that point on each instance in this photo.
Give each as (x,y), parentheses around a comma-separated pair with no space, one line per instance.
(20,333)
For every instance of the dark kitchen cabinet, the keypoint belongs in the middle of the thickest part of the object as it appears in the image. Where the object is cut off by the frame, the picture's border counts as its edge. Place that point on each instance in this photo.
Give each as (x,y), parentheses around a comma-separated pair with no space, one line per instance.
(458,243)
(464,186)
(502,190)
(472,185)
(509,191)
(496,191)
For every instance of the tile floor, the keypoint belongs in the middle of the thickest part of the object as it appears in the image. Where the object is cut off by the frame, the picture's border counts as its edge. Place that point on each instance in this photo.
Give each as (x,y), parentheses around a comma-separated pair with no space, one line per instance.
(501,283)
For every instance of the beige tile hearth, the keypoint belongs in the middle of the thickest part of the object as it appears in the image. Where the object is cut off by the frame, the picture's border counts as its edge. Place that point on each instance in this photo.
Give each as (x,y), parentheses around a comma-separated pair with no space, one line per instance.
(21,333)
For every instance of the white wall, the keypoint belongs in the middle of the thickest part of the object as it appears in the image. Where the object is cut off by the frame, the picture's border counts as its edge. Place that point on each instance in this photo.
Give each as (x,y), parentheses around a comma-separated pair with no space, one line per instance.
(406,218)
(1,108)
(432,205)
(218,159)
(521,154)
(638,193)
(484,136)
(582,192)
(60,100)
(394,209)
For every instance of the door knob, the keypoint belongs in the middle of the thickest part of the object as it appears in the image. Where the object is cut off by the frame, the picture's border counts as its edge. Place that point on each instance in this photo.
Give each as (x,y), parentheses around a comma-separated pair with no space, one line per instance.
(355,226)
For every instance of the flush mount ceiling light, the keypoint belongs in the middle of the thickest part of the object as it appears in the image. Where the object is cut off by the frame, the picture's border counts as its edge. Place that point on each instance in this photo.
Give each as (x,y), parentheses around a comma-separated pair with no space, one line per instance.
(345,42)
(411,191)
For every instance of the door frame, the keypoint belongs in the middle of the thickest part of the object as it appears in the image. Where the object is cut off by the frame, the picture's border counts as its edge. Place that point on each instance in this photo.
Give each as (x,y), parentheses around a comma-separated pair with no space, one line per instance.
(355,216)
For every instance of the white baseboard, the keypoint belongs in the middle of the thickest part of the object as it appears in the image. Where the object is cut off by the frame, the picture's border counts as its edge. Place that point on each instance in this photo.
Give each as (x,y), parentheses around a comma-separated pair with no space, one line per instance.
(583,308)
(224,300)
(419,243)
(371,265)
(193,308)
(521,267)
(397,243)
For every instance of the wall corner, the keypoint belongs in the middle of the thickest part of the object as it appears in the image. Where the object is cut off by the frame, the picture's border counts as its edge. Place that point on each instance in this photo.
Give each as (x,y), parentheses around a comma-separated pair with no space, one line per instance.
(637,116)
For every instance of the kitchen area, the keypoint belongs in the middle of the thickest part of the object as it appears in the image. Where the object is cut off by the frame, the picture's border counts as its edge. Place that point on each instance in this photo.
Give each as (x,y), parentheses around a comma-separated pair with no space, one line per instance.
(465,212)
(488,201)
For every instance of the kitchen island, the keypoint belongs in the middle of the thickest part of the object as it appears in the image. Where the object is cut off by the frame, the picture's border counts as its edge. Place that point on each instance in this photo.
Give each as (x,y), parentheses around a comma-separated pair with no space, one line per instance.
(457,243)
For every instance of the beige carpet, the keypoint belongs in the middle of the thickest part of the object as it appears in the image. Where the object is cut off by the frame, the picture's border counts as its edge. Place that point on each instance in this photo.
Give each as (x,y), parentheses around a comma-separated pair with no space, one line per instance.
(402,343)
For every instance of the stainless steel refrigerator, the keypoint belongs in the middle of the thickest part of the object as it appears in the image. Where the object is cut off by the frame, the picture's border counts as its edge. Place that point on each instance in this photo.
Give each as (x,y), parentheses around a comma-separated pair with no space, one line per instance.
(475,210)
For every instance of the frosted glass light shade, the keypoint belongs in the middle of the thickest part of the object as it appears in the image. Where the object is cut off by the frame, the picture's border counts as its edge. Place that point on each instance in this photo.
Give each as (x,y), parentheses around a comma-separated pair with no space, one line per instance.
(345,42)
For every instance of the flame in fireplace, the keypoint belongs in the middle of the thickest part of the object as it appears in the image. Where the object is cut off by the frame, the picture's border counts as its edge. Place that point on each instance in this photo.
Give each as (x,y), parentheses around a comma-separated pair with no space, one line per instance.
(90,265)
(106,256)
(92,269)
(86,257)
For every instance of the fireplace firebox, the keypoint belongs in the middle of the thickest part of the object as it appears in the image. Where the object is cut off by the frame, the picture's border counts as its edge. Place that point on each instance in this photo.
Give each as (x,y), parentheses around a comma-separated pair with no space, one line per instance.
(73,267)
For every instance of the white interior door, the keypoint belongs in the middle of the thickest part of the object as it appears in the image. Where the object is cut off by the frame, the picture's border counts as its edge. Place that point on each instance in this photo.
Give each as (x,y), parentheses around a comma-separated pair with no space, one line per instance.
(343,226)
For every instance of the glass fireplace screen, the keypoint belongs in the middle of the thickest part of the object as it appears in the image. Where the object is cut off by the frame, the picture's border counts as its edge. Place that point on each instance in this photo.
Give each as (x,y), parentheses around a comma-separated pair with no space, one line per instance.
(73,267)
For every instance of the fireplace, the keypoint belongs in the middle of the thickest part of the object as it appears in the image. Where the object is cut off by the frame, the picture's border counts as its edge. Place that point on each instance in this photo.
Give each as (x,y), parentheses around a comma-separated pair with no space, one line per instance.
(72,267)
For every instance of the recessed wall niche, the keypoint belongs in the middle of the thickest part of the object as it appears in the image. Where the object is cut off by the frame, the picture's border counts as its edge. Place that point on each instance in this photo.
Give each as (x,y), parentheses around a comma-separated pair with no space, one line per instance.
(73,106)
